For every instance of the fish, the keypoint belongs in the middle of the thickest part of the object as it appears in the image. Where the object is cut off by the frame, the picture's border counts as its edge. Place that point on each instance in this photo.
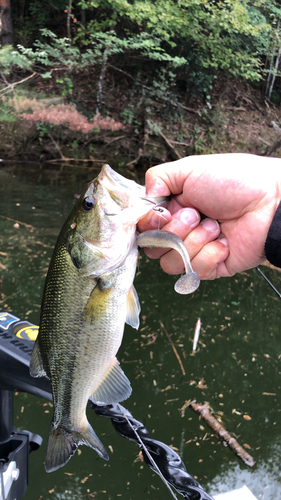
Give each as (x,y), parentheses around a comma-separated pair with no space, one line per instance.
(88,297)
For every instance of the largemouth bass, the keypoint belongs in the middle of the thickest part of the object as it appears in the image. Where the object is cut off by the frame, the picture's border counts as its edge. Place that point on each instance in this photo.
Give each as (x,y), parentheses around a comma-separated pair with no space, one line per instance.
(88,297)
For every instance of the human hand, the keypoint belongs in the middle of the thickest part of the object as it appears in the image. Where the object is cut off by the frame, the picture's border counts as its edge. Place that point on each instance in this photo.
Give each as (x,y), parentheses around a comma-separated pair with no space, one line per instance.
(238,193)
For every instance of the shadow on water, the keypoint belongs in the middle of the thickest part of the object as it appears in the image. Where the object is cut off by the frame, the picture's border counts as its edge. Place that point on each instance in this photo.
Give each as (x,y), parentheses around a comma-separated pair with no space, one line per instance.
(236,367)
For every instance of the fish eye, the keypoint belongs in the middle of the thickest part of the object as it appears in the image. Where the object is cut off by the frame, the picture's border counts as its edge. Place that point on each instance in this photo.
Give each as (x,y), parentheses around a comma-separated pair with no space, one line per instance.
(88,203)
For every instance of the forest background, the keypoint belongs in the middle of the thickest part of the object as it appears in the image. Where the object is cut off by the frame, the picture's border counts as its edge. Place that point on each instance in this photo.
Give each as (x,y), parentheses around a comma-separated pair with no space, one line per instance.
(135,82)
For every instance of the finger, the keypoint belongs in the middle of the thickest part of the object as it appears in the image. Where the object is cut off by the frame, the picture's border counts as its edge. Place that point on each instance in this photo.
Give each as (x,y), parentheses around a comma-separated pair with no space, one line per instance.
(154,220)
(209,263)
(205,232)
(181,224)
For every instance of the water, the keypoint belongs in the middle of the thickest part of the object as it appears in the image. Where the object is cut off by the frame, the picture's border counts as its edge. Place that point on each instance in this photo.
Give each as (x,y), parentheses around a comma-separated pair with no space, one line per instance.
(236,367)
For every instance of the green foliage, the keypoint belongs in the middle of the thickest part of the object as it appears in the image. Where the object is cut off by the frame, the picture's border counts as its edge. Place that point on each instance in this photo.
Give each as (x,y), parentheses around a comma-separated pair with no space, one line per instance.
(10,58)
(57,52)
(66,85)
(6,116)
(43,128)
(147,39)
(212,35)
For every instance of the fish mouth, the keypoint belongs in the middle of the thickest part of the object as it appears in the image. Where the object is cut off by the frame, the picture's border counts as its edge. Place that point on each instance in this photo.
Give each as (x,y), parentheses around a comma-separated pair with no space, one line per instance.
(119,186)
(157,201)
(112,175)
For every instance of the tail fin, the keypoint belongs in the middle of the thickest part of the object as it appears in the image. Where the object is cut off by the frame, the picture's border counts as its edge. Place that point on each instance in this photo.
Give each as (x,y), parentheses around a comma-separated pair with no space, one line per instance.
(63,444)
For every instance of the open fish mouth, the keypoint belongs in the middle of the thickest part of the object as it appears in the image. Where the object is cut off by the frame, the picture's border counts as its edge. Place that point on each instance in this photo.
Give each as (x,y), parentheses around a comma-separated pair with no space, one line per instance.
(112,175)
(158,201)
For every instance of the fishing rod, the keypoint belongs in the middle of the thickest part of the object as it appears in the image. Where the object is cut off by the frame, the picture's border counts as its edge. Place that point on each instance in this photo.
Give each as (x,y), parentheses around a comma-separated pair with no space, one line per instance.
(269,282)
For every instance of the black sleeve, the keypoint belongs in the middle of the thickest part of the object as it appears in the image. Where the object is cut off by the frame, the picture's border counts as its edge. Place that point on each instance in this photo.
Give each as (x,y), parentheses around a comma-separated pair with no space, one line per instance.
(273,240)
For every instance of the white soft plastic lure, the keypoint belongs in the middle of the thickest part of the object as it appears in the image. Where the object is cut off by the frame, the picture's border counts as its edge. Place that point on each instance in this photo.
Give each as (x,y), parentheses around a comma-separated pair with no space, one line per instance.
(196,334)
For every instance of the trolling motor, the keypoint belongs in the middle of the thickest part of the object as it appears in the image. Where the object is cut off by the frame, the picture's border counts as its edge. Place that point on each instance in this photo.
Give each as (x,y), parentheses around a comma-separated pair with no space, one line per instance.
(15,351)
(16,344)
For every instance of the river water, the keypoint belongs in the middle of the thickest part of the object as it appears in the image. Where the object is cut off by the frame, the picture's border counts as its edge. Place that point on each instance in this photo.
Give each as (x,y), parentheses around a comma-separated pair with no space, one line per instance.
(236,369)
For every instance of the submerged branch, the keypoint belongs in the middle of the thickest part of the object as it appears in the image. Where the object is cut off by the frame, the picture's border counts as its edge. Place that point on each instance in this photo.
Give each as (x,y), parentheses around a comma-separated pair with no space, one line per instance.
(173,347)
(29,226)
(57,147)
(222,433)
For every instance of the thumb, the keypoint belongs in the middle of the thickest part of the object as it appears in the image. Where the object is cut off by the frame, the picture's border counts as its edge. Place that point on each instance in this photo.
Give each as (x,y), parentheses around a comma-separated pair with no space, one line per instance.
(167,178)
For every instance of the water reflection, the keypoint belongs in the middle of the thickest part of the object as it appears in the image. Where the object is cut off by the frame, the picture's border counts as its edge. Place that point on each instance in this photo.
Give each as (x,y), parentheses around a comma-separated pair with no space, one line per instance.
(236,368)
(263,481)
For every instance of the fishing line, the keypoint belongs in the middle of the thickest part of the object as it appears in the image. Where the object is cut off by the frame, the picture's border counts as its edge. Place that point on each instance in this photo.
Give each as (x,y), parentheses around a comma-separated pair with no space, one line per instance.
(198,323)
(203,296)
(147,453)
(269,282)
(167,460)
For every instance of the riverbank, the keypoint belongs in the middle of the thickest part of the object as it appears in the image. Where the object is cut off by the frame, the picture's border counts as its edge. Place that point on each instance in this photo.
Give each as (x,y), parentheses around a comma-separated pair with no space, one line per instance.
(37,126)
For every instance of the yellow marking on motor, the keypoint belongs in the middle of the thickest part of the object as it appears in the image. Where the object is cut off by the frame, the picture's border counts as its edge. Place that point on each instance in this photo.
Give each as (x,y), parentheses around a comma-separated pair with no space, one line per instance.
(28,332)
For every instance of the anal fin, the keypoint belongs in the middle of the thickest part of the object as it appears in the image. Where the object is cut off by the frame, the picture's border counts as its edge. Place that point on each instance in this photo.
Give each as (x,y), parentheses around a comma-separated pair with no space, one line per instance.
(114,387)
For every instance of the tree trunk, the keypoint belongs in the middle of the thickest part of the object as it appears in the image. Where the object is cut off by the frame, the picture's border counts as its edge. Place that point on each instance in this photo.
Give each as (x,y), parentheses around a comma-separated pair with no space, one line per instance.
(83,17)
(6,24)
(68,22)
(274,73)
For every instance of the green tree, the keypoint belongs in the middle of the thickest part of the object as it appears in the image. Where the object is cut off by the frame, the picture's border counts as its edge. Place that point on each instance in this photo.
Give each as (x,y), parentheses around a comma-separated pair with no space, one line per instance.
(145,39)
(229,35)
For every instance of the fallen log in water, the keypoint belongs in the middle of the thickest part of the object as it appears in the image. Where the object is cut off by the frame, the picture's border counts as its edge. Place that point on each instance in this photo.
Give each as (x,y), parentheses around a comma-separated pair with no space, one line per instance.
(222,433)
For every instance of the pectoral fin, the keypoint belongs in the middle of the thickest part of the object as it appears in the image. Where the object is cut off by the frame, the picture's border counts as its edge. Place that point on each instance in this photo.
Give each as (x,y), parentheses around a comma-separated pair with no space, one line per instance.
(114,387)
(36,367)
(133,308)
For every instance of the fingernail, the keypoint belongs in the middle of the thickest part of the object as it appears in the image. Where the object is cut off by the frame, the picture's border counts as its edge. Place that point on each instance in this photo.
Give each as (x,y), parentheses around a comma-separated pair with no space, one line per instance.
(223,240)
(211,225)
(189,216)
